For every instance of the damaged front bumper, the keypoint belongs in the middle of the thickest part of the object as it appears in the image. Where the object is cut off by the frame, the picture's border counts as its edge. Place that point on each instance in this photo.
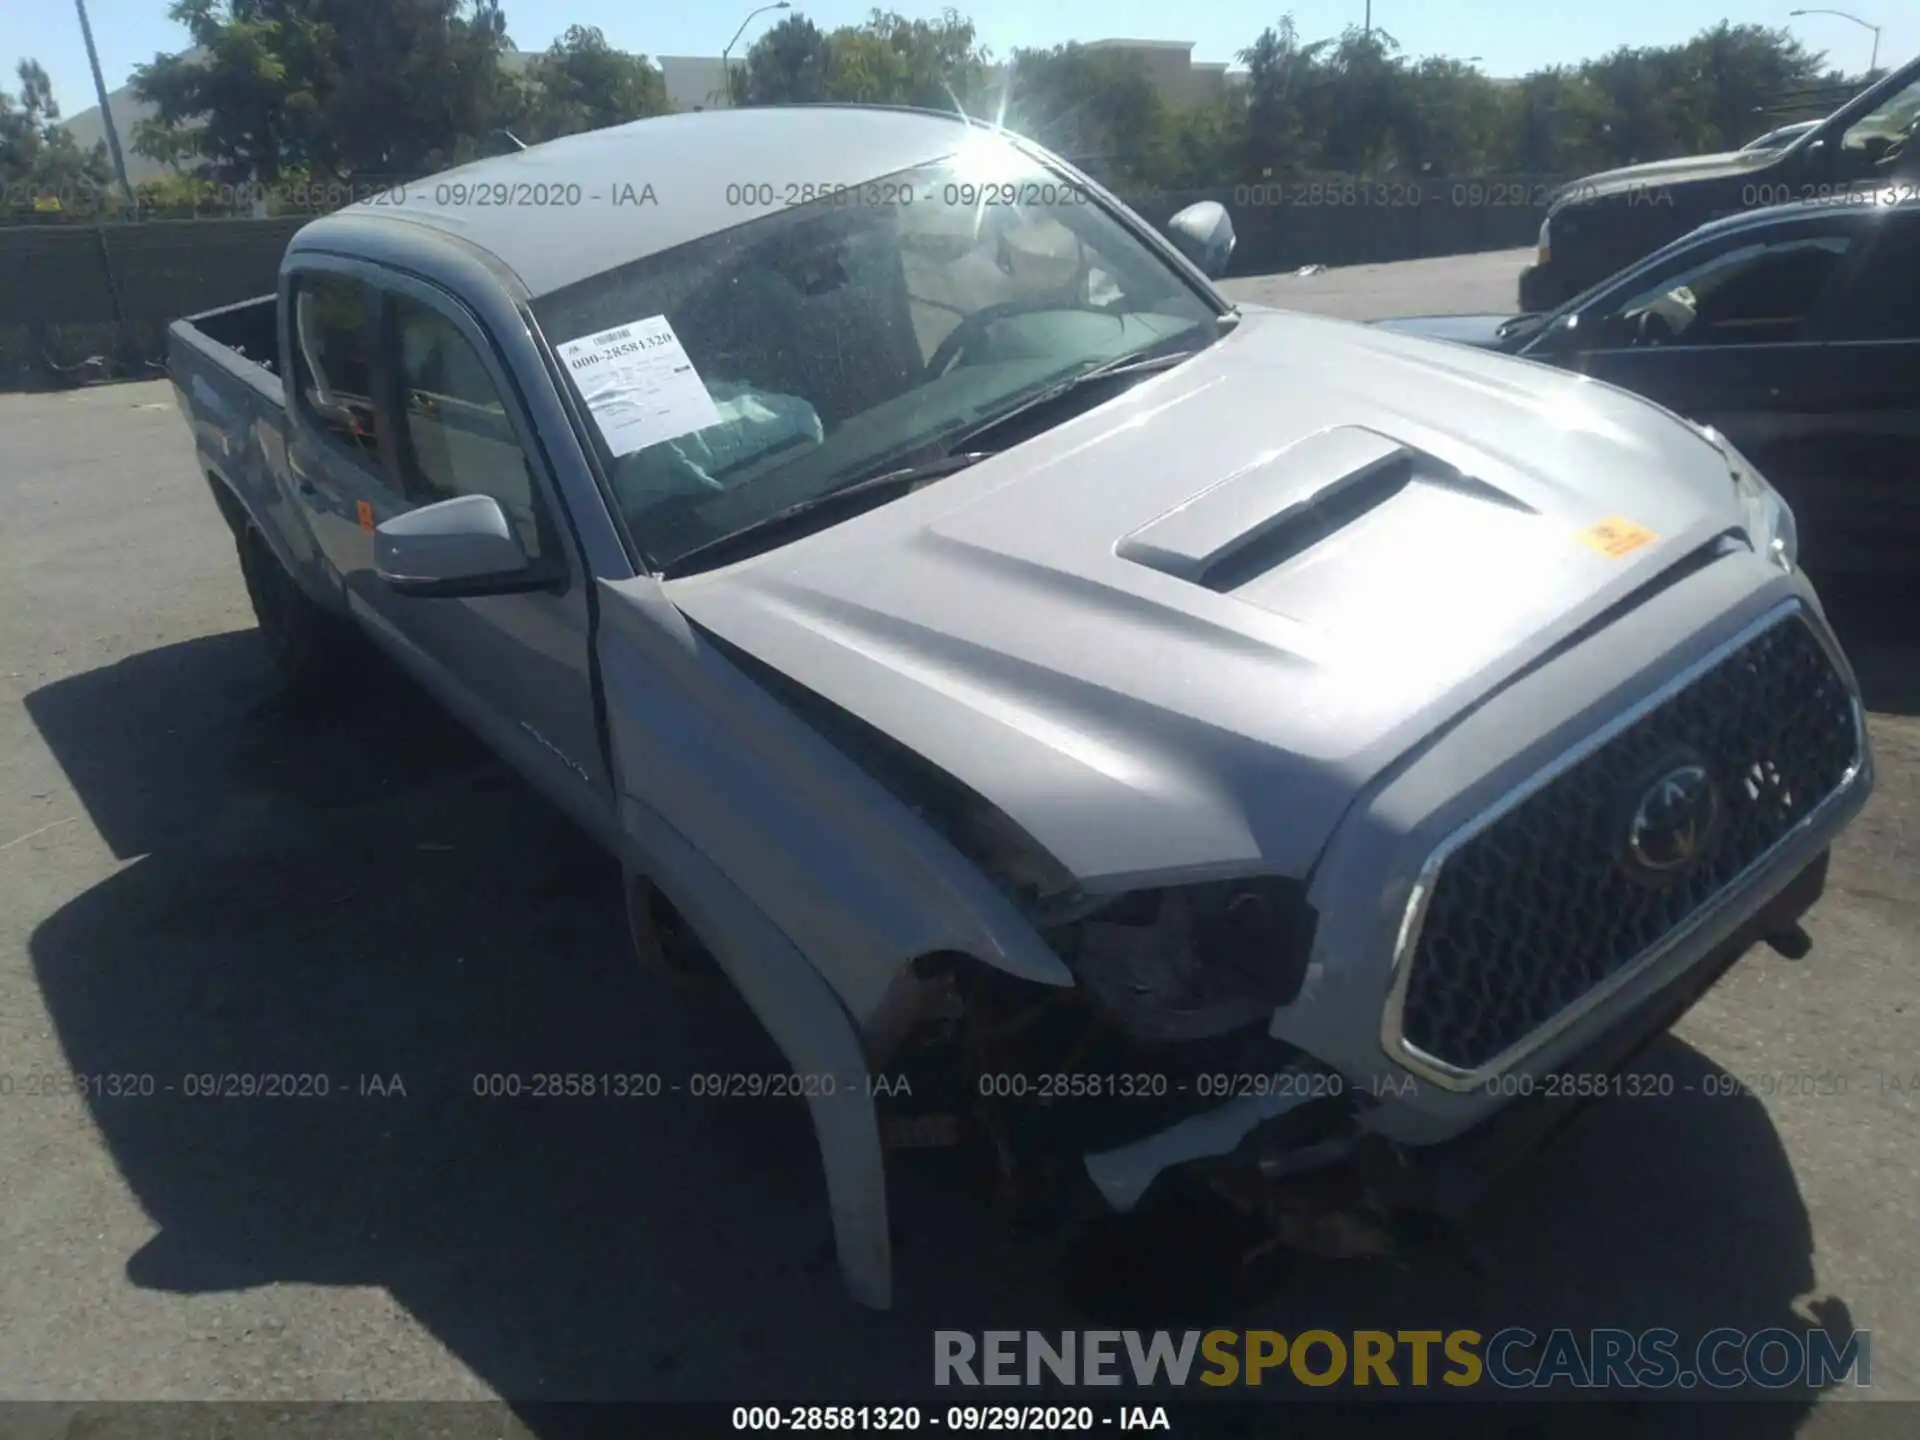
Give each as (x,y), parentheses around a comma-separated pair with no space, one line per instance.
(1309,1121)
(1321,1114)
(1770,709)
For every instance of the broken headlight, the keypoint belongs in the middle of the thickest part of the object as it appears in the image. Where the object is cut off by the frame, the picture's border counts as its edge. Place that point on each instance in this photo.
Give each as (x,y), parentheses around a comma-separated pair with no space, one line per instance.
(1193,961)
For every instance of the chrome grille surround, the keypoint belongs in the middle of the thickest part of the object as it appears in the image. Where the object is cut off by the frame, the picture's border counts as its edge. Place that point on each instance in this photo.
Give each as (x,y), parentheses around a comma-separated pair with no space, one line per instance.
(1426,1030)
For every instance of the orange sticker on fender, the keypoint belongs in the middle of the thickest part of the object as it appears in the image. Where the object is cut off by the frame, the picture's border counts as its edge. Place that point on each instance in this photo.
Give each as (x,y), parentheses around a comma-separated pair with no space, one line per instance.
(365,513)
(1614,537)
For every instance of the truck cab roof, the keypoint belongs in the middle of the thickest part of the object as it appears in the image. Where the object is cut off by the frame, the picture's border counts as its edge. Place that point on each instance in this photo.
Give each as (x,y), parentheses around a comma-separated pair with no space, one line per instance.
(571,208)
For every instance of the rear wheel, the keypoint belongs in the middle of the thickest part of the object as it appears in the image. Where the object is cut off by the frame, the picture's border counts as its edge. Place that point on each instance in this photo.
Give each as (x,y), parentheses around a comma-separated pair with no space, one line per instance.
(312,650)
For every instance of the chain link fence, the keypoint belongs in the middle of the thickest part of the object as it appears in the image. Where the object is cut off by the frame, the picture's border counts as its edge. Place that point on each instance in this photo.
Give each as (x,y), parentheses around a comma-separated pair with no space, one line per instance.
(80,303)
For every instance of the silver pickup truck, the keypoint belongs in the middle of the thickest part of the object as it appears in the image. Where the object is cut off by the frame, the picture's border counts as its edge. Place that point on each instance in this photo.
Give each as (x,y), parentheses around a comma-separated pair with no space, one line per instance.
(1197,746)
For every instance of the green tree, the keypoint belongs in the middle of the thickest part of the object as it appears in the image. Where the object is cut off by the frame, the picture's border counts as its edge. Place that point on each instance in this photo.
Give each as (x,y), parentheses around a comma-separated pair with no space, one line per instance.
(788,65)
(1095,107)
(1356,102)
(1204,142)
(582,83)
(1734,74)
(373,89)
(1281,87)
(42,170)
(887,60)
(891,60)
(1447,119)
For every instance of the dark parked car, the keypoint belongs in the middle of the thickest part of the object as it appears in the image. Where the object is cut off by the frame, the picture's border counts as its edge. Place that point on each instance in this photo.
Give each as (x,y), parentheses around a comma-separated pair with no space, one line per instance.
(1795,332)
(1601,223)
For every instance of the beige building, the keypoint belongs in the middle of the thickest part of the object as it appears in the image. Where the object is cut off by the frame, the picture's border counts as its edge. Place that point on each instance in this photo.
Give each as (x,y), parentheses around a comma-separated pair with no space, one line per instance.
(697,82)
(694,82)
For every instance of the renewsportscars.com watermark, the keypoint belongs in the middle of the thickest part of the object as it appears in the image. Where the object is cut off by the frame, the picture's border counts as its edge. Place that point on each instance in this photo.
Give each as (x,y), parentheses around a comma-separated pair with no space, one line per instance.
(1514,1358)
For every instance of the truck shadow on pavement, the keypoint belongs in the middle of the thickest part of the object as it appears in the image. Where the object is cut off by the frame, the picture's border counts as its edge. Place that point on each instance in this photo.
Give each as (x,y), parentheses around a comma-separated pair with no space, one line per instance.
(365,899)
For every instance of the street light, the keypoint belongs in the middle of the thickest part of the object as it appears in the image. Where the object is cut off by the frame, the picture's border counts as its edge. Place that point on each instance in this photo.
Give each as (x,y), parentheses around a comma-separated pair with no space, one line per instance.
(1873,63)
(106,113)
(726,67)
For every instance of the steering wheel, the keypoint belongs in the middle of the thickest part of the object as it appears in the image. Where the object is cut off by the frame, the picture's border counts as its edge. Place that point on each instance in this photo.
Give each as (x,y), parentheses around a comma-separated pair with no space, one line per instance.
(1653,329)
(972,330)
(1898,148)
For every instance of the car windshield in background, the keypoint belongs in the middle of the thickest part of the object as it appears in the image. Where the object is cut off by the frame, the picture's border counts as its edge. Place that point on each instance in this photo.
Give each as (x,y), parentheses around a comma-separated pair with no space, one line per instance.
(758,367)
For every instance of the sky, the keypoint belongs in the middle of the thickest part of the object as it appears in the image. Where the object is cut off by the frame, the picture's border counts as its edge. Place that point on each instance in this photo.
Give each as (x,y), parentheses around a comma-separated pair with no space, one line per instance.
(1511,37)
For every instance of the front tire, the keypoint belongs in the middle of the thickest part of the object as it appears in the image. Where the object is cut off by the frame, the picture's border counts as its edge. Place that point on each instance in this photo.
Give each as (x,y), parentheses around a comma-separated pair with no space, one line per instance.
(312,650)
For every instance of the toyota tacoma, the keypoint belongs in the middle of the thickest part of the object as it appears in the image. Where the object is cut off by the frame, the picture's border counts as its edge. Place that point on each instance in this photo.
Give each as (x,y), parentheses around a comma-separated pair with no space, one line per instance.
(1197,745)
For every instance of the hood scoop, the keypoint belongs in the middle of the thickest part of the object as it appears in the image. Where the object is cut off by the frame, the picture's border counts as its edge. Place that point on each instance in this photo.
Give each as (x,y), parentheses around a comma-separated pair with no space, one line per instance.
(1280,506)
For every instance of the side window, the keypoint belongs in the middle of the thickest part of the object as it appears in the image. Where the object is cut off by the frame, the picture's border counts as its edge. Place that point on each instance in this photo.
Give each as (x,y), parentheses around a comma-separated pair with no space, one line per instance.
(333,361)
(1884,303)
(1754,294)
(1875,142)
(459,440)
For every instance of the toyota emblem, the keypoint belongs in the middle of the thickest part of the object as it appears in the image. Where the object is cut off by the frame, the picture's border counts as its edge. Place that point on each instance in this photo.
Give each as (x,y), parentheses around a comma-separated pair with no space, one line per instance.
(1674,822)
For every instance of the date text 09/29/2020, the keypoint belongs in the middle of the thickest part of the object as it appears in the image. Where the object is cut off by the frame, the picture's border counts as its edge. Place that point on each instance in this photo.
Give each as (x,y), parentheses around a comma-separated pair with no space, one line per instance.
(954,1419)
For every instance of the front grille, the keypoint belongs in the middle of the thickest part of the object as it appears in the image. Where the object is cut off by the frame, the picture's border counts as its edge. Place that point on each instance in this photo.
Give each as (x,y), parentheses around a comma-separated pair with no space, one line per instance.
(1533,912)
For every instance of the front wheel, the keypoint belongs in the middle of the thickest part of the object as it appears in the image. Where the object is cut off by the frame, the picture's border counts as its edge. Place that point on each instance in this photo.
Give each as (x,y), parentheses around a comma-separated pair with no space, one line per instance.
(312,649)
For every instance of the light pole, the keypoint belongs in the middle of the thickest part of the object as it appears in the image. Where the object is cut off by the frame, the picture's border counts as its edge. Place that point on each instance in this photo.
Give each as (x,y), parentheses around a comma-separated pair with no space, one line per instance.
(106,114)
(1873,61)
(726,65)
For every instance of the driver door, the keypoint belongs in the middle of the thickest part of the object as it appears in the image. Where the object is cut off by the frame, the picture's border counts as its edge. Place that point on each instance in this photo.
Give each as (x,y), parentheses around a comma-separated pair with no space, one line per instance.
(1731,334)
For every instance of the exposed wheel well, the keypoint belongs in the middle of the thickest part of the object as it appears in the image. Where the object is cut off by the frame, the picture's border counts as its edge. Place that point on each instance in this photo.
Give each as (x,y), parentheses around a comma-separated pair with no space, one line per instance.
(231,510)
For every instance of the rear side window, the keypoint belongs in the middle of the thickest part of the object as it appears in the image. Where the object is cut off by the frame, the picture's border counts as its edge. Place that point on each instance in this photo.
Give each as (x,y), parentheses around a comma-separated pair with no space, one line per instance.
(460,440)
(333,361)
(1884,304)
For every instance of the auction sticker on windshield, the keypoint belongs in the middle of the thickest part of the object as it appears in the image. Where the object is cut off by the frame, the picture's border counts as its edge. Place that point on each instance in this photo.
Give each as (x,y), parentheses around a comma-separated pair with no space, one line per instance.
(639,384)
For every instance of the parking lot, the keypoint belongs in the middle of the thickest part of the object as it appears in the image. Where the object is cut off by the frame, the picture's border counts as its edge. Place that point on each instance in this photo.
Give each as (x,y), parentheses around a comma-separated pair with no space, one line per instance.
(193,882)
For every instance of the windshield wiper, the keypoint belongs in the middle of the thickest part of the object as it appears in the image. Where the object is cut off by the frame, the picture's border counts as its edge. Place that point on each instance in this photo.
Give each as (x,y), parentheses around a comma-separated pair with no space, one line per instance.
(737,544)
(1139,362)
(968,448)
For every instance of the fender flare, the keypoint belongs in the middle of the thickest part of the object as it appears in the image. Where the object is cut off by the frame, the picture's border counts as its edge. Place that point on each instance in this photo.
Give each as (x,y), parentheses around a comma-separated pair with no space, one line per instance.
(805,1019)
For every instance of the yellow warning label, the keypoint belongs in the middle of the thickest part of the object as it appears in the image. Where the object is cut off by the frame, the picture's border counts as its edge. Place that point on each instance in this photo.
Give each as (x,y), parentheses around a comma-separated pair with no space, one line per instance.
(1614,537)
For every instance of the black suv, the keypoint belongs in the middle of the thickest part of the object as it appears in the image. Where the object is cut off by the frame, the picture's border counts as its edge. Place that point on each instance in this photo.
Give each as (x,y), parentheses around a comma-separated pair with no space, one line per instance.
(1597,225)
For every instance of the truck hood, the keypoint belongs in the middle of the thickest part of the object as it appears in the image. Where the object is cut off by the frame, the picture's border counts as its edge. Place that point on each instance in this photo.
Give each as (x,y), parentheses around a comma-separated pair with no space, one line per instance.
(1177,635)
(1480,331)
(1683,170)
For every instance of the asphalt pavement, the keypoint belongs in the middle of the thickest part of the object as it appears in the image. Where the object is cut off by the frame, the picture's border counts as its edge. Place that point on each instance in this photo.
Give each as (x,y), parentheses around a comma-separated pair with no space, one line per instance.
(196,884)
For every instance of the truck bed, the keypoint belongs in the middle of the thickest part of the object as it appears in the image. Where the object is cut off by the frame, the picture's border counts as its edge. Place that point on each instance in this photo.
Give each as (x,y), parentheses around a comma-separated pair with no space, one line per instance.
(247,329)
(223,365)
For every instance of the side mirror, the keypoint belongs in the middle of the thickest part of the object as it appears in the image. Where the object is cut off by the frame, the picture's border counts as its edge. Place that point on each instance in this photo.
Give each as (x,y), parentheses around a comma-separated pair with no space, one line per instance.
(457,547)
(1204,234)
